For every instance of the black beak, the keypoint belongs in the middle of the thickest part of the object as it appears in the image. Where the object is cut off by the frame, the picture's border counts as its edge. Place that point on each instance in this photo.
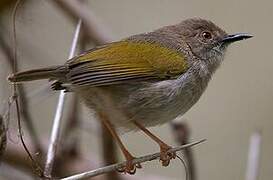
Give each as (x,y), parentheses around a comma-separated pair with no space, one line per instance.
(236,37)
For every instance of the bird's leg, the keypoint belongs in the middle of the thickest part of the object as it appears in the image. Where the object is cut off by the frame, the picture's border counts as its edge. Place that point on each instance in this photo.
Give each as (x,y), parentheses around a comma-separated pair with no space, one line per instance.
(130,167)
(165,156)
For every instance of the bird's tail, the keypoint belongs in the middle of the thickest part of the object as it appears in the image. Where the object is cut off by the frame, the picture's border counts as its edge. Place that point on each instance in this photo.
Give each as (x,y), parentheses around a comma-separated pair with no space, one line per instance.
(55,72)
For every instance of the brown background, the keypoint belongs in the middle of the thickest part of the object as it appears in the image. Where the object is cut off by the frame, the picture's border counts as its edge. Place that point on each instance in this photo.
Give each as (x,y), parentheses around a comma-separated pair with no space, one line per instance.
(238,101)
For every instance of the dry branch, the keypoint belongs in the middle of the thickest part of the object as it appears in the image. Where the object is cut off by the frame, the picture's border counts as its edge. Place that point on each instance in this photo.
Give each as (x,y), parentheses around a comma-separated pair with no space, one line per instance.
(14,96)
(64,164)
(55,134)
(94,32)
(114,167)
(24,110)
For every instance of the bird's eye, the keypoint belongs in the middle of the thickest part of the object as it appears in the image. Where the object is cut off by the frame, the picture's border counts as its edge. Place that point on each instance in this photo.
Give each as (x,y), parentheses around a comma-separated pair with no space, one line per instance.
(206,35)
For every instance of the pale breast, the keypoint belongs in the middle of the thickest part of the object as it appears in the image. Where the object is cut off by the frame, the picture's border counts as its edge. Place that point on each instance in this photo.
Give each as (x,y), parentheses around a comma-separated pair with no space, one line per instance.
(150,104)
(164,101)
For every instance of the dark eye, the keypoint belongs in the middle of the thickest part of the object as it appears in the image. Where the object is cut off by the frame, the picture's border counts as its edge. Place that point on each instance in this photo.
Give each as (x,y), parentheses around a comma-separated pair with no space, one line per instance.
(206,35)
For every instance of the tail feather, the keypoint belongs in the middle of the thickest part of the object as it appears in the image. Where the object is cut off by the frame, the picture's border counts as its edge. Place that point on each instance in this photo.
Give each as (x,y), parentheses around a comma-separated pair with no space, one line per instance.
(56,72)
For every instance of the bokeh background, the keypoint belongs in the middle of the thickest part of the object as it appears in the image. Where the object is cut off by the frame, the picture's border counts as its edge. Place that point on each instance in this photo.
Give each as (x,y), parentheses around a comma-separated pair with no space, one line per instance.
(238,101)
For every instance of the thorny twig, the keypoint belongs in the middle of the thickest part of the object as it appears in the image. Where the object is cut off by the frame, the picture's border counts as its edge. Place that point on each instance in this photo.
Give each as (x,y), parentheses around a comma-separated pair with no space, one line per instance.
(114,167)
(55,134)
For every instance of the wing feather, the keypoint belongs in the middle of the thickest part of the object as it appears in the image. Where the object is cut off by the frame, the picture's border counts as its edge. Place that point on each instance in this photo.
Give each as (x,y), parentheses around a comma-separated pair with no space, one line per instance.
(125,62)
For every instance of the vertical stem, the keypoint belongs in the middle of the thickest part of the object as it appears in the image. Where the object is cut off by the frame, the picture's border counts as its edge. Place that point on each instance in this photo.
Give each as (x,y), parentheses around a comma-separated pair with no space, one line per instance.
(28,119)
(252,171)
(15,90)
(181,133)
(24,105)
(55,134)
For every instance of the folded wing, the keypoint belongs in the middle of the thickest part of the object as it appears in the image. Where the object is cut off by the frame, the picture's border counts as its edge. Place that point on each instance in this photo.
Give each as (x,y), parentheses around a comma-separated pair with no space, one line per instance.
(125,62)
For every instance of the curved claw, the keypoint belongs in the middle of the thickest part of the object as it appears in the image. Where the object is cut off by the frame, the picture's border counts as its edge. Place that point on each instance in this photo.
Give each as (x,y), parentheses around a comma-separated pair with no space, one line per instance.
(121,169)
(129,168)
(165,156)
(138,165)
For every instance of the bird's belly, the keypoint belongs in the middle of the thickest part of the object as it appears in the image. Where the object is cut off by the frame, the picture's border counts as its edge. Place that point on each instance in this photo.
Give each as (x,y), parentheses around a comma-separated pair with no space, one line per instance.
(100,100)
(165,108)
(148,106)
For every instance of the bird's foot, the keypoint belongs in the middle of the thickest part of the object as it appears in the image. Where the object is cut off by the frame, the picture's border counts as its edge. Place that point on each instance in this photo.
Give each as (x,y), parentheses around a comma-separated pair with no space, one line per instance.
(130,167)
(165,156)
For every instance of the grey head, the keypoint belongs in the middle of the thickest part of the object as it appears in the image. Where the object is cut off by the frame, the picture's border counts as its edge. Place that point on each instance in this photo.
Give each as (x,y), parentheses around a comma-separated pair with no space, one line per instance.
(206,40)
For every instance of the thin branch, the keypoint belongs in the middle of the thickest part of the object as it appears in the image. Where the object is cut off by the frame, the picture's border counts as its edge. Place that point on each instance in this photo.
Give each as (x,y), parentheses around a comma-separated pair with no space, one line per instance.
(16,156)
(70,140)
(254,156)
(24,110)
(70,137)
(55,134)
(64,164)
(94,32)
(15,91)
(93,28)
(114,167)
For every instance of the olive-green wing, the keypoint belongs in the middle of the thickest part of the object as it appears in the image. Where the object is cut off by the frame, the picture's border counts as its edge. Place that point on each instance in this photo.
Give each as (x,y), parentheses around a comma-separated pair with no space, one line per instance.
(123,62)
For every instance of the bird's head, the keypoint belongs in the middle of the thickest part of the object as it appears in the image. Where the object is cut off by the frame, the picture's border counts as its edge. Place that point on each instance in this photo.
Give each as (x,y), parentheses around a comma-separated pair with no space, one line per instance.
(206,40)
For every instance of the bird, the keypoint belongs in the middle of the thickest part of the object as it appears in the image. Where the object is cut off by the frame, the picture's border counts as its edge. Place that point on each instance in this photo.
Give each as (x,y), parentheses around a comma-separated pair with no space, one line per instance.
(144,80)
